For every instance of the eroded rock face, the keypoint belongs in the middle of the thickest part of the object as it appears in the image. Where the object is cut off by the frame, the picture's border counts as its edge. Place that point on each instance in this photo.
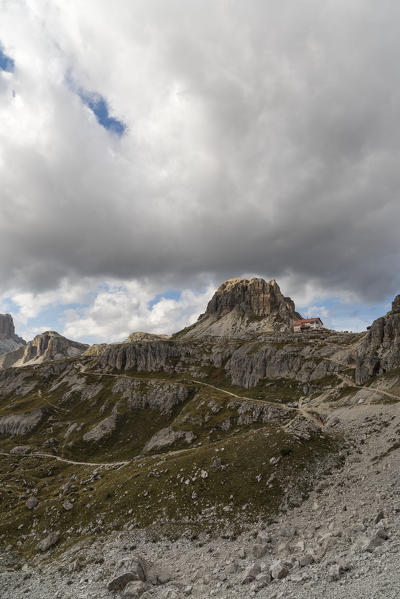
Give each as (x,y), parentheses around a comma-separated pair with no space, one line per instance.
(245,308)
(7,329)
(9,341)
(20,424)
(254,296)
(167,437)
(245,364)
(44,347)
(379,351)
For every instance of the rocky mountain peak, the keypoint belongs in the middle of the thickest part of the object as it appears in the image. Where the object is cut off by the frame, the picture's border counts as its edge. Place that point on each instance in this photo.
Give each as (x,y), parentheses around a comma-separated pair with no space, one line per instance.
(7,329)
(46,346)
(9,341)
(245,308)
(251,297)
(396,304)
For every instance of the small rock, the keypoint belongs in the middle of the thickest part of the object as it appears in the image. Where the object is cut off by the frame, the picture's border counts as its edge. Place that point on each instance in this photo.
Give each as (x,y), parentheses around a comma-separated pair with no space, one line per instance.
(49,541)
(335,572)
(279,570)
(251,573)
(306,560)
(259,550)
(31,503)
(67,505)
(134,590)
(120,582)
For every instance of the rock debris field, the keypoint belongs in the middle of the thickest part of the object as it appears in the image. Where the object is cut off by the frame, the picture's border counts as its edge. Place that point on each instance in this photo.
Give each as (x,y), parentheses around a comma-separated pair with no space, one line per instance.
(342,541)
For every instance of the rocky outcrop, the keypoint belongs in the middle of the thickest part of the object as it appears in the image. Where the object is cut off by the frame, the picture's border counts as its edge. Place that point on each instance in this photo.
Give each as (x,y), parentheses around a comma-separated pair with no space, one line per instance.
(244,308)
(7,329)
(139,336)
(153,395)
(44,347)
(149,357)
(9,341)
(167,437)
(244,363)
(379,350)
(103,429)
(20,424)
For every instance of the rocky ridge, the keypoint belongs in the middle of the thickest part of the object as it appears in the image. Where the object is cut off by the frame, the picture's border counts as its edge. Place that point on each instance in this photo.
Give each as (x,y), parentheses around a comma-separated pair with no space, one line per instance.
(44,347)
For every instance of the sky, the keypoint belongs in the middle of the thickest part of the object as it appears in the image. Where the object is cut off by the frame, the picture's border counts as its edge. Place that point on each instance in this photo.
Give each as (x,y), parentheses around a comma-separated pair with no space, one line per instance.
(149,150)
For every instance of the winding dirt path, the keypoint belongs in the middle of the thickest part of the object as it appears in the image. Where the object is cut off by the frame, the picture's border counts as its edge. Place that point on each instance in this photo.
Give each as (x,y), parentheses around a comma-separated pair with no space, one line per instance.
(38,454)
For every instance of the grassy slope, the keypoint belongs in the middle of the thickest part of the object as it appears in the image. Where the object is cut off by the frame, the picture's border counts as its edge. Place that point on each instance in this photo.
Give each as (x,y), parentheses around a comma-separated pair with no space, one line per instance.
(166,489)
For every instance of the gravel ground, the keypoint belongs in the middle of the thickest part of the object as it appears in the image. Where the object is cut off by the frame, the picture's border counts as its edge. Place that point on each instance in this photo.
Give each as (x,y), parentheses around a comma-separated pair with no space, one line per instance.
(343,541)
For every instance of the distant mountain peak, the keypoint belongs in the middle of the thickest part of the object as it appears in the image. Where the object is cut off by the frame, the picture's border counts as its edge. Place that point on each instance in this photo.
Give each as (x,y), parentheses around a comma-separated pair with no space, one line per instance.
(8,339)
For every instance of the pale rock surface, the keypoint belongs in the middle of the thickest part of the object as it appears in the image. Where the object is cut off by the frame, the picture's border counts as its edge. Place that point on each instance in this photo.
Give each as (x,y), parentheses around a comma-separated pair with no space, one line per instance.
(44,347)
(244,308)
(167,437)
(9,341)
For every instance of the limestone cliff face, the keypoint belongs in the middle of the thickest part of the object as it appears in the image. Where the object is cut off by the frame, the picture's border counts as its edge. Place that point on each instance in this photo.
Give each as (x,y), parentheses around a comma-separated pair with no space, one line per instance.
(244,308)
(7,329)
(379,351)
(44,347)
(245,364)
(9,341)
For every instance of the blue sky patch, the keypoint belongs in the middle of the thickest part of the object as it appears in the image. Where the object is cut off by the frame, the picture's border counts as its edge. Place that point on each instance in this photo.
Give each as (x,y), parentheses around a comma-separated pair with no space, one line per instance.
(170,294)
(98,105)
(6,63)
(340,315)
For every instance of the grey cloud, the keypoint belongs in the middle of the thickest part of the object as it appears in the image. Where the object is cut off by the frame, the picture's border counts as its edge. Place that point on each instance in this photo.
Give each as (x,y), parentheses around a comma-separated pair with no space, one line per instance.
(277,152)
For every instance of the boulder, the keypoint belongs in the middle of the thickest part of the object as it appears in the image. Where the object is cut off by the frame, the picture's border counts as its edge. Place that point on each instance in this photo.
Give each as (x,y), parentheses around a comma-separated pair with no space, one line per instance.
(134,590)
(51,540)
(279,569)
(251,573)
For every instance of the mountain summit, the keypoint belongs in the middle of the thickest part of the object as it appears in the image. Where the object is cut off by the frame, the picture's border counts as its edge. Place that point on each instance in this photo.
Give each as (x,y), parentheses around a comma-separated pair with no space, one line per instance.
(47,346)
(8,339)
(244,308)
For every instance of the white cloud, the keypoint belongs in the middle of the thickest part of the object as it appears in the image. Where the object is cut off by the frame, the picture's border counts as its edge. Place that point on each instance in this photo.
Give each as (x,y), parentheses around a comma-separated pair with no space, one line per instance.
(118,311)
(258,140)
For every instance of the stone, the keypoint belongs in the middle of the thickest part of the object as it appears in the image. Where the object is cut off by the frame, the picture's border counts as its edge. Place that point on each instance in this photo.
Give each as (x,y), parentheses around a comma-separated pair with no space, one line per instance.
(67,505)
(335,572)
(21,450)
(119,582)
(263,579)
(134,589)
(31,502)
(369,544)
(251,573)
(51,540)
(279,569)
(259,550)
(306,560)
